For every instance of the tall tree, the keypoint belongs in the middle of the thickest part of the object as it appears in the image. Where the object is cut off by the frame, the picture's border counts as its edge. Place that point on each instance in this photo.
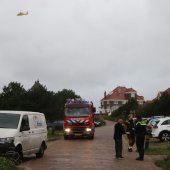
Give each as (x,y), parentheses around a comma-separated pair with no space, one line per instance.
(164,104)
(124,110)
(12,96)
(37,98)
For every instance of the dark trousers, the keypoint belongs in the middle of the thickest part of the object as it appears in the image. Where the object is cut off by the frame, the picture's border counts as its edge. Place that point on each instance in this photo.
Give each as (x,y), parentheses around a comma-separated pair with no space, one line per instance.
(118,147)
(140,145)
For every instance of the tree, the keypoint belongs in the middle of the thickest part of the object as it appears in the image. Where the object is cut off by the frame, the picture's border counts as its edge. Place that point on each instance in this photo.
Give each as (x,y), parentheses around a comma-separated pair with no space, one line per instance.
(12,96)
(37,98)
(159,107)
(164,104)
(124,110)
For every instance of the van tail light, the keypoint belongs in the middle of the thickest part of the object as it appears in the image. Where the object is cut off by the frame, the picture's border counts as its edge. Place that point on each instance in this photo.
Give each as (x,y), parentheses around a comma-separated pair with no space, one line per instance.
(155,126)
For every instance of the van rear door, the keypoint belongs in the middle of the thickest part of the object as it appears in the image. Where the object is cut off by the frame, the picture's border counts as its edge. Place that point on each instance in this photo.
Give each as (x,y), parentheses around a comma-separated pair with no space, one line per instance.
(36,130)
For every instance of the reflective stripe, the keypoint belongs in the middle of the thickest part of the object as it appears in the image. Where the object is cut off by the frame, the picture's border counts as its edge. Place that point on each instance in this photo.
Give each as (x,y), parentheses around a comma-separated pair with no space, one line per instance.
(129,147)
(141,123)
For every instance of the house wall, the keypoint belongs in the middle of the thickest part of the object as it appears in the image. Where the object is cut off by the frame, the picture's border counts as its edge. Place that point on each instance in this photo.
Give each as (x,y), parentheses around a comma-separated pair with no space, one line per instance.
(110,106)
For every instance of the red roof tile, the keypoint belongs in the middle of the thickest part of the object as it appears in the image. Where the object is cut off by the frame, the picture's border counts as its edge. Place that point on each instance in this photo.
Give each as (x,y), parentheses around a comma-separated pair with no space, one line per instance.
(140,97)
(120,93)
(168,90)
(130,90)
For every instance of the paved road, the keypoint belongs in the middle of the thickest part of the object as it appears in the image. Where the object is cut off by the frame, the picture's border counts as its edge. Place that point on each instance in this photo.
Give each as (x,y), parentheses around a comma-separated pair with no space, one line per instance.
(84,154)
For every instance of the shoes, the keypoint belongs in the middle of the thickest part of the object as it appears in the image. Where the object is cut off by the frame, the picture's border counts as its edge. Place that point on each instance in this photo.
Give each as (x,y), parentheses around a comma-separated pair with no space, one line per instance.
(129,150)
(139,159)
(121,157)
(117,157)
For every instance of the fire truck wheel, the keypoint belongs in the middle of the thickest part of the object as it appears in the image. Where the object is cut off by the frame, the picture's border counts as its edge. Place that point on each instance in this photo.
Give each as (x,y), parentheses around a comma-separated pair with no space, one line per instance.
(91,137)
(65,137)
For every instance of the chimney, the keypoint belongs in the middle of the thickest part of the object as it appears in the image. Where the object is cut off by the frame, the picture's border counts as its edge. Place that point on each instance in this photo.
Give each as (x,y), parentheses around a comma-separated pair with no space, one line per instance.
(119,89)
(104,94)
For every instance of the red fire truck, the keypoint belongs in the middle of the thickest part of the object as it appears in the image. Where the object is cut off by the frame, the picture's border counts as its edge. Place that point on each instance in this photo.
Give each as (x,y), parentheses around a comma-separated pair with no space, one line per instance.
(79,119)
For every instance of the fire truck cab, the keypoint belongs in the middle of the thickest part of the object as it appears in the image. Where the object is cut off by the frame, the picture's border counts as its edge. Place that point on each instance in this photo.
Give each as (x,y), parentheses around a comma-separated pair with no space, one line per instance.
(79,119)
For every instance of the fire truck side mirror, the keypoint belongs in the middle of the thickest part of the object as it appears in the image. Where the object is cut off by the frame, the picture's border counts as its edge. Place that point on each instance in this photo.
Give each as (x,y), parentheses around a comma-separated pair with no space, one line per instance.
(94,109)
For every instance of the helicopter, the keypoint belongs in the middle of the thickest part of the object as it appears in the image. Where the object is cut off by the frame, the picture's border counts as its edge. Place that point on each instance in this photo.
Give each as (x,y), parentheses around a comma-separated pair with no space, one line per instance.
(22,13)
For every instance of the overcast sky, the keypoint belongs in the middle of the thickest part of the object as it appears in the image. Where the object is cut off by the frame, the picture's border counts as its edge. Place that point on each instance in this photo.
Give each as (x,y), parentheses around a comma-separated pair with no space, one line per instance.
(89,46)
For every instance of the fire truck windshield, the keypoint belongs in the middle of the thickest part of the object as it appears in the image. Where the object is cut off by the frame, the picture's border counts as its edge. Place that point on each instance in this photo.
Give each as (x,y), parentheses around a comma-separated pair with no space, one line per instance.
(77,112)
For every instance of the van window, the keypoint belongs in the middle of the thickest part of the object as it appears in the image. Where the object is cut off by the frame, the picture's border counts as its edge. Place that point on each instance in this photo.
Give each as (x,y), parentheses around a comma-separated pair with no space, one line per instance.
(25,123)
(9,121)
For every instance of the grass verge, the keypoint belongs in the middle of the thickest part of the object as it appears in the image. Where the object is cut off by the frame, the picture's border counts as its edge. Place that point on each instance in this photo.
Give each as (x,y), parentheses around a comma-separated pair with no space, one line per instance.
(164,164)
(160,148)
(54,135)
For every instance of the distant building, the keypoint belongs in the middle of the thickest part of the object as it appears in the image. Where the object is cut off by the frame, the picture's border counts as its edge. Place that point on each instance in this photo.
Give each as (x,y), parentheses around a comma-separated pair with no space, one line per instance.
(118,97)
(161,92)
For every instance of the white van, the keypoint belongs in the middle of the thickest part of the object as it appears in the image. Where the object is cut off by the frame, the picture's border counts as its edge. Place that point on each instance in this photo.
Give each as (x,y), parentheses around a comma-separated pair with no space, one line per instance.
(25,131)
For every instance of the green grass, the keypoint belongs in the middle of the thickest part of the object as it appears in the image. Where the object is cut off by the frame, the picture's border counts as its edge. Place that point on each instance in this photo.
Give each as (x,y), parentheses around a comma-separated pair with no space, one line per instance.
(164,164)
(158,151)
(6,164)
(54,135)
(158,148)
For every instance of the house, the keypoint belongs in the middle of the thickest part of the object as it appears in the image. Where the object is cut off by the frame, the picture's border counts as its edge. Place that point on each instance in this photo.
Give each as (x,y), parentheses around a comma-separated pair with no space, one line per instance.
(118,97)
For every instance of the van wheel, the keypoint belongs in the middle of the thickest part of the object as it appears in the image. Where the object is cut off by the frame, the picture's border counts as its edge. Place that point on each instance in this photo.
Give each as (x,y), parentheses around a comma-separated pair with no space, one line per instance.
(164,136)
(15,155)
(20,155)
(40,154)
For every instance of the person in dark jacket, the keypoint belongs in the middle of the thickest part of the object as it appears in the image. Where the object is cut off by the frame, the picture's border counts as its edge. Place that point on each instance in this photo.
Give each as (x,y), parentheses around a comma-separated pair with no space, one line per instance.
(118,132)
(140,132)
(130,131)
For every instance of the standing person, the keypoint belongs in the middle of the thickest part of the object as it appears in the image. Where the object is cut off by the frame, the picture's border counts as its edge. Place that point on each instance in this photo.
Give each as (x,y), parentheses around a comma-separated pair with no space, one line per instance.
(118,132)
(140,131)
(130,131)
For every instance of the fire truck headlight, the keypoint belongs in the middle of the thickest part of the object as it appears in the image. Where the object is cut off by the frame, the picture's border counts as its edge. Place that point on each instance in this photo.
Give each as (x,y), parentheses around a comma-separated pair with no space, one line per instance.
(88,129)
(67,130)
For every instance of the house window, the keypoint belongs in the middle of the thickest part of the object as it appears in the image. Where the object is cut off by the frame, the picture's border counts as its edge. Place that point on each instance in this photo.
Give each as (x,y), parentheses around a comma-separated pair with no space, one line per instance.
(133,95)
(107,102)
(140,102)
(107,107)
(123,102)
(115,102)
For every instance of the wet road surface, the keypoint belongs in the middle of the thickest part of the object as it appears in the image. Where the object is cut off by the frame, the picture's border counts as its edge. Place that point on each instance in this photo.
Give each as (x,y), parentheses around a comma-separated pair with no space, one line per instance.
(85,154)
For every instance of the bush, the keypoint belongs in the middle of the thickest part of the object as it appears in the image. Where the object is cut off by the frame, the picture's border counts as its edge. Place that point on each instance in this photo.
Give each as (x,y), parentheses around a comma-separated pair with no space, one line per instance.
(101,120)
(6,164)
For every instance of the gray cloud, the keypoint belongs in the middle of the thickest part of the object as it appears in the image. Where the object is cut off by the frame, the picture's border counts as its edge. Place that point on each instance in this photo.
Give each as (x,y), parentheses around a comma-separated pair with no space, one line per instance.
(86,45)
